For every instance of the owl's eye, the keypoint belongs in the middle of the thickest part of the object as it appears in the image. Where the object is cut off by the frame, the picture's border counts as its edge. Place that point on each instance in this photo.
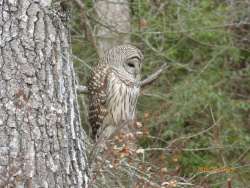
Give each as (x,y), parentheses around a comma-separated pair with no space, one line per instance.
(131,65)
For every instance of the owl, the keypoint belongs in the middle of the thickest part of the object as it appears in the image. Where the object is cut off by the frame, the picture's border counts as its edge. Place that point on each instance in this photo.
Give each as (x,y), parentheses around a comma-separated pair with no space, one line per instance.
(114,87)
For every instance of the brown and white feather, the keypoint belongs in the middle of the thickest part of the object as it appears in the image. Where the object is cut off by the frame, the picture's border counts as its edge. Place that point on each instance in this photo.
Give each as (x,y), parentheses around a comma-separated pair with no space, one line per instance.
(113,92)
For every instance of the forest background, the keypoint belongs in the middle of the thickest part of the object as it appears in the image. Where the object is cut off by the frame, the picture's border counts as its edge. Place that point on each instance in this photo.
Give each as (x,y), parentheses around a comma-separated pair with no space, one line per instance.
(196,117)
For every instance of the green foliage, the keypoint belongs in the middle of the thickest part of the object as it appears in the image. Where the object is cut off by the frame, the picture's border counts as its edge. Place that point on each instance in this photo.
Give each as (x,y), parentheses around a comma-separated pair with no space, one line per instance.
(194,39)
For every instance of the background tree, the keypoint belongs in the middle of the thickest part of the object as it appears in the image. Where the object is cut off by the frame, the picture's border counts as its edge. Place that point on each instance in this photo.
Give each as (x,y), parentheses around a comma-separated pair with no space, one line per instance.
(41,141)
(114,24)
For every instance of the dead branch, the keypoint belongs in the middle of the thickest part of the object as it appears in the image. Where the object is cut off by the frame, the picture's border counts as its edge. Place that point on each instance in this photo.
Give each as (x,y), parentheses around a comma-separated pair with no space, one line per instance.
(151,78)
(82,61)
(86,24)
(80,4)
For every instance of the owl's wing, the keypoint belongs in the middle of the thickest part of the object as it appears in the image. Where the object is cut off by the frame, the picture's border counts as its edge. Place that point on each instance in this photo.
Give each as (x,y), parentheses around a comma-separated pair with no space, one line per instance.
(97,85)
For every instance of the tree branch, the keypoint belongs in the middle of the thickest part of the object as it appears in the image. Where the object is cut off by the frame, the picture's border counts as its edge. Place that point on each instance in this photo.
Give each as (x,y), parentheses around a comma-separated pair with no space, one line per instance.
(147,81)
(80,4)
(86,24)
(151,78)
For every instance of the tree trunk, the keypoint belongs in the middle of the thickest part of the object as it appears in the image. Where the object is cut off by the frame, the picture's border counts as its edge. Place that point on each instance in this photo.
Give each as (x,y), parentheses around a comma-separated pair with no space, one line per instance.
(114,23)
(41,140)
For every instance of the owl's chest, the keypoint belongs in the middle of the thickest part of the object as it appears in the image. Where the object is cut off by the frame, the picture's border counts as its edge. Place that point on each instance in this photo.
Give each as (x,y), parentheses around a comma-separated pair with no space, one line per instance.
(121,103)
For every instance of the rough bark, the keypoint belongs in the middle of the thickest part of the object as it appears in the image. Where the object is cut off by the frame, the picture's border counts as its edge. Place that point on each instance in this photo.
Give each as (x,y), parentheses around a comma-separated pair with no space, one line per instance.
(41,141)
(114,25)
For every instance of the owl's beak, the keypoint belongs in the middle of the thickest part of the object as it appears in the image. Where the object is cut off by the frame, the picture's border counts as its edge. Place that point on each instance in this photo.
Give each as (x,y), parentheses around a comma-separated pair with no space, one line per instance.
(138,77)
(137,71)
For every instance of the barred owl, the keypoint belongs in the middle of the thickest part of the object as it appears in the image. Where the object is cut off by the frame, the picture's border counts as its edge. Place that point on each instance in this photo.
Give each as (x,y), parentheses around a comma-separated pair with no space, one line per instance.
(114,87)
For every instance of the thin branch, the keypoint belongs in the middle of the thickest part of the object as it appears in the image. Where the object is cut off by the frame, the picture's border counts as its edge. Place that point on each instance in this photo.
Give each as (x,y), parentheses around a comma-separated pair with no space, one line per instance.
(215,123)
(82,61)
(151,78)
(80,4)
(242,156)
(143,177)
(229,183)
(86,24)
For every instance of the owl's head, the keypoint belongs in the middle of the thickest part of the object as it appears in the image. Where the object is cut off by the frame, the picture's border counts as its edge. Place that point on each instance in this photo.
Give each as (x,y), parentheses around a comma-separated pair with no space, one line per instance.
(126,60)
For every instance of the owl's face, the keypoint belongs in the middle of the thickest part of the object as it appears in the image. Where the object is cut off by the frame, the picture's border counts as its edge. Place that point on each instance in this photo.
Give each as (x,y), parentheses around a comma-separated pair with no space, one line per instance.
(126,59)
(133,67)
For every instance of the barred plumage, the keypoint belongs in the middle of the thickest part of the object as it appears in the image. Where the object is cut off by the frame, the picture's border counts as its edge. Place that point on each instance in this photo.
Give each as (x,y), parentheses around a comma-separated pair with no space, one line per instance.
(114,88)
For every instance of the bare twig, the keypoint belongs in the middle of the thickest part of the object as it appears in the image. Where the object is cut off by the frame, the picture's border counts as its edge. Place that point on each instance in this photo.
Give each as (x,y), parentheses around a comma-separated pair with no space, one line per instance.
(143,177)
(82,61)
(86,24)
(80,4)
(242,156)
(215,123)
(151,78)
(229,183)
